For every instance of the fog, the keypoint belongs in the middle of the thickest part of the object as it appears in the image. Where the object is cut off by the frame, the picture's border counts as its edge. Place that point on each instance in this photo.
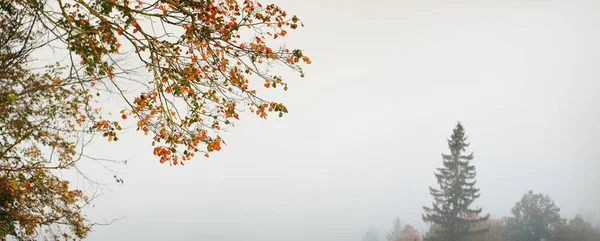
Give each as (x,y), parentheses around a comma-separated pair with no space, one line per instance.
(367,125)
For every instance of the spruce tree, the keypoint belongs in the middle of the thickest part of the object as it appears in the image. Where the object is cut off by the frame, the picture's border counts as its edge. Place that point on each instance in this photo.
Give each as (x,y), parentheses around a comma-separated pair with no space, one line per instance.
(451,214)
(396,230)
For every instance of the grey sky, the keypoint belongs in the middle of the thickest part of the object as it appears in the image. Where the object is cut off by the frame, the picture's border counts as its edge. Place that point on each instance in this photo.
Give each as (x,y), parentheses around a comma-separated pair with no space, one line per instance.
(388,82)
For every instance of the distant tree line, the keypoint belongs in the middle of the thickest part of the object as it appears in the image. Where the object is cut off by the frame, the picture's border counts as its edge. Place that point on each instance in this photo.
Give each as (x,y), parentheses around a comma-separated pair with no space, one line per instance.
(451,218)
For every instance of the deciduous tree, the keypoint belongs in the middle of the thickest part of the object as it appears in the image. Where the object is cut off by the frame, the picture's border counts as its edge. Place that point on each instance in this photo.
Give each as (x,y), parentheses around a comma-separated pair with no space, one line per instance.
(204,64)
(206,60)
(38,135)
(496,229)
(578,229)
(534,217)
(409,233)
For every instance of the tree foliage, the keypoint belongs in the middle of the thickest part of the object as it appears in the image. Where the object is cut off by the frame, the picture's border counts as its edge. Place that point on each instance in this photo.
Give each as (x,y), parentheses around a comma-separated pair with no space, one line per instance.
(396,230)
(534,217)
(578,229)
(402,232)
(35,121)
(205,61)
(451,214)
(496,229)
(409,233)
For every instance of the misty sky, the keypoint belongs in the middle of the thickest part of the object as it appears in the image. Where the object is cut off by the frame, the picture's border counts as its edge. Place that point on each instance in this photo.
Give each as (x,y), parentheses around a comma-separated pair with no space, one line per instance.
(368,123)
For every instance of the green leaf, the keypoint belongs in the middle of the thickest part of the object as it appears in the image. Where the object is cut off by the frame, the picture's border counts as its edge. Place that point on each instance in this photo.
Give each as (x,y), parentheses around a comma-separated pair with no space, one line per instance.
(11,97)
(14,184)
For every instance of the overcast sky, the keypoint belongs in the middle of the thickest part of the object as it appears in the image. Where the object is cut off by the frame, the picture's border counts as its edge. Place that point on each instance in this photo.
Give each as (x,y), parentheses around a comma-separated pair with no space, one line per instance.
(368,123)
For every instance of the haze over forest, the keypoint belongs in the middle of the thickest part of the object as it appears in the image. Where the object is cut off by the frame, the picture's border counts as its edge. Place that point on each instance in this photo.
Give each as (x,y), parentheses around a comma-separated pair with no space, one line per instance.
(367,125)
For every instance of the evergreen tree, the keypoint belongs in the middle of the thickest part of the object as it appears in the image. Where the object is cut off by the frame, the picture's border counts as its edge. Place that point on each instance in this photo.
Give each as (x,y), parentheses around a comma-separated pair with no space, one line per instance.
(371,235)
(451,214)
(402,232)
(396,230)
